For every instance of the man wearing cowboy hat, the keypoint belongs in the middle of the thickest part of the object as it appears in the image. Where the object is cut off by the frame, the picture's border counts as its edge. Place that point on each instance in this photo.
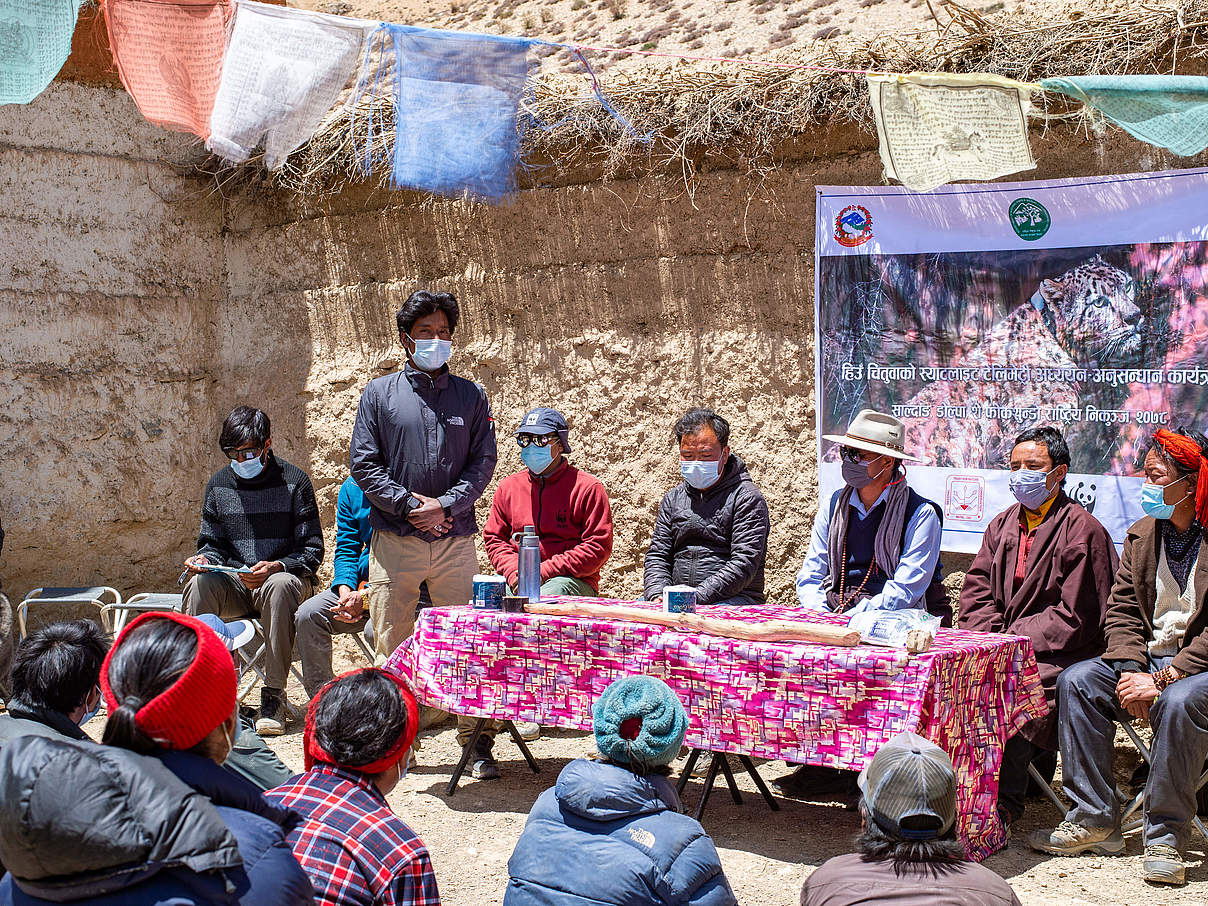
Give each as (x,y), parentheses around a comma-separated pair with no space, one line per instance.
(876,544)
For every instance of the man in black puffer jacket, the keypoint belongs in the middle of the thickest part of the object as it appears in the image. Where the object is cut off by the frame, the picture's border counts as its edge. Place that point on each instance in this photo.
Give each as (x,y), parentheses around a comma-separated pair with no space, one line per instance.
(81,823)
(712,528)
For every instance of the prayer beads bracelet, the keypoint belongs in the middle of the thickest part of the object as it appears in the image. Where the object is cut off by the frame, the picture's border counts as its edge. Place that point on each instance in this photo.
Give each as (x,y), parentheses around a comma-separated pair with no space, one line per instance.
(1164,677)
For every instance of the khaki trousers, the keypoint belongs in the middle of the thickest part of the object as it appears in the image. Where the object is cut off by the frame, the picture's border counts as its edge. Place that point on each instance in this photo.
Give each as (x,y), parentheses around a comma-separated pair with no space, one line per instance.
(273,603)
(398,565)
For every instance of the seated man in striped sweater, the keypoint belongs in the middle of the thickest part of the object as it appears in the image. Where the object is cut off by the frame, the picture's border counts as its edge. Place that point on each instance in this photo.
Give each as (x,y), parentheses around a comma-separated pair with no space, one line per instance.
(260,528)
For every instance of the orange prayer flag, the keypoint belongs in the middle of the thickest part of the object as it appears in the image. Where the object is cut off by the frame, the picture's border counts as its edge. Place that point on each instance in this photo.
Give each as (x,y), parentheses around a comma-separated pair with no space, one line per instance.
(169,55)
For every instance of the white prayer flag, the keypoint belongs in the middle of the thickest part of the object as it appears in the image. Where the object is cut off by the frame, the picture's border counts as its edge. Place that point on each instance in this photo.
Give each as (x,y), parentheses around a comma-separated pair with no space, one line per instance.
(282,73)
(935,128)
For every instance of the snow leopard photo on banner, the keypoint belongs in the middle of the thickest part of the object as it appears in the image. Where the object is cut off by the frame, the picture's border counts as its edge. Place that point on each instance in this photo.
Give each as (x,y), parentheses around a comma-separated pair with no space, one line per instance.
(974,312)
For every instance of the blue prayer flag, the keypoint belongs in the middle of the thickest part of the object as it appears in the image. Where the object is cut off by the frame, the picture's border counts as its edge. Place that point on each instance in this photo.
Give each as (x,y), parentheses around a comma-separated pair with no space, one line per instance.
(35,39)
(456,109)
(1166,111)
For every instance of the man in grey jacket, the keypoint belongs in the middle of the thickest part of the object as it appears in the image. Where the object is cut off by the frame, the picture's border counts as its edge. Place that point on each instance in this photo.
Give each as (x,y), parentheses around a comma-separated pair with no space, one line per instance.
(423,451)
(712,528)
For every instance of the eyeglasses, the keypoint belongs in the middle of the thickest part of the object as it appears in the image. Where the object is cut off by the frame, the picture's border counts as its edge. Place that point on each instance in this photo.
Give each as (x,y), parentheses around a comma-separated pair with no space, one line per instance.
(243,454)
(851,454)
(543,440)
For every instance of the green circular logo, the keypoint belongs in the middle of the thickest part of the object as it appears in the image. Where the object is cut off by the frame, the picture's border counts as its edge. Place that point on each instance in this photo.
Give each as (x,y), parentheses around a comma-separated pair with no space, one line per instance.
(1029,218)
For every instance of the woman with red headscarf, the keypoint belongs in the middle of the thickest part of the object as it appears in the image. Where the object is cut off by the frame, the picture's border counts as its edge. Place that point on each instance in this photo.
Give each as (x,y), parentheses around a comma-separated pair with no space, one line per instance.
(1155,667)
(359,731)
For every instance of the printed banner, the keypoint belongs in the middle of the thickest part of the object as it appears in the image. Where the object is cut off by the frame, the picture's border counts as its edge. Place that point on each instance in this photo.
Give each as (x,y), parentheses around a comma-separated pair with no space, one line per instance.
(284,70)
(35,40)
(938,128)
(975,312)
(169,55)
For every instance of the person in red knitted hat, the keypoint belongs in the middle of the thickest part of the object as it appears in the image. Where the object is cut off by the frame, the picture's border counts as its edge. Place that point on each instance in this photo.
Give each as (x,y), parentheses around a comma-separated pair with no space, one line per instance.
(1155,667)
(359,732)
(169,686)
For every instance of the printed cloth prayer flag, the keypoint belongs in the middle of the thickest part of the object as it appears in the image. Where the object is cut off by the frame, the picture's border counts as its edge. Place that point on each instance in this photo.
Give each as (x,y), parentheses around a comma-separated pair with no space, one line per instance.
(1167,111)
(169,55)
(456,108)
(283,71)
(937,128)
(35,39)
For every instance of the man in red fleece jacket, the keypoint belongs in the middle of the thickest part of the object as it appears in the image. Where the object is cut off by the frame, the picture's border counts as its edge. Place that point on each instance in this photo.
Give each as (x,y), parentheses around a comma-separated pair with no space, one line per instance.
(568,507)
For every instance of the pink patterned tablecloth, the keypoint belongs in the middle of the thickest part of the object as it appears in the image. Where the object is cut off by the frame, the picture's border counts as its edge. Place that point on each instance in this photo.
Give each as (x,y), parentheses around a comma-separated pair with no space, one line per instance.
(817,704)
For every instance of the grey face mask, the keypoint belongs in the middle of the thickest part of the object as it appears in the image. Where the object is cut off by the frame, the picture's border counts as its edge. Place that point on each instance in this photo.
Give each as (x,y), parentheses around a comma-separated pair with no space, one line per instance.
(856,474)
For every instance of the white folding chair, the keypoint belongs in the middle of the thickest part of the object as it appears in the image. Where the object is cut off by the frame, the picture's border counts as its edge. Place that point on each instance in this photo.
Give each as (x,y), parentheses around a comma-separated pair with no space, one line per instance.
(143,602)
(1130,820)
(252,663)
(98,596)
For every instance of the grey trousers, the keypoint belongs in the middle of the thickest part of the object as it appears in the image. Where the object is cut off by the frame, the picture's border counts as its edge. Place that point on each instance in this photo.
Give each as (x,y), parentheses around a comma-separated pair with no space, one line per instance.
(1086,695)
(273,603)
(315,628)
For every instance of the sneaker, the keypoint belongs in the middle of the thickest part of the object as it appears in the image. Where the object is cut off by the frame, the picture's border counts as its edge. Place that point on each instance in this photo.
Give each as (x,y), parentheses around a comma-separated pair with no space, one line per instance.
(272,712)
(1163,865)
(485,768)
(529,731)
(1070,839)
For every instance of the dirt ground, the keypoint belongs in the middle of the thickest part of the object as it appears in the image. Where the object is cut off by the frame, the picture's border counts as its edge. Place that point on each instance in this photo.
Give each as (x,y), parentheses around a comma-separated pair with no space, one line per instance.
(766,855)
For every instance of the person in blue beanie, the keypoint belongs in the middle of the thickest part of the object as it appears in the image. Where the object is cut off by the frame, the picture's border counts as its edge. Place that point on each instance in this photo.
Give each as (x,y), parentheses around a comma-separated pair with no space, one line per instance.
(619,810)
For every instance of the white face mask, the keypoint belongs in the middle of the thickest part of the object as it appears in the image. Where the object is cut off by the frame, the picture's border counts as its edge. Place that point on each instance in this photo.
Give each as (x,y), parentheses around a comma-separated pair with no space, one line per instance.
(429,355)
(700,475)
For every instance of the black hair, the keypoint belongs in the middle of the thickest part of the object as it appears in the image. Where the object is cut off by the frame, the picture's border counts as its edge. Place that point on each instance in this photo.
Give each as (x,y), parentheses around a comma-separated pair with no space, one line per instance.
(57,666)
(360,718)
(152,657)
(244,425)
(695,419)
(422,303)
(875,845)
(1179,469)
(1053,440)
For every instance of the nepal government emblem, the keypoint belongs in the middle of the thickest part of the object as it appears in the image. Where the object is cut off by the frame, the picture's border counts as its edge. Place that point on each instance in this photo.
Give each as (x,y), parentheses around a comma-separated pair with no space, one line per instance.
(853,226)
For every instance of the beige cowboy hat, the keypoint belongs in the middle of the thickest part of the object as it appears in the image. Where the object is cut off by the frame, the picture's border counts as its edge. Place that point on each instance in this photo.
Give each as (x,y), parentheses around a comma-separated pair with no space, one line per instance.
(876,432)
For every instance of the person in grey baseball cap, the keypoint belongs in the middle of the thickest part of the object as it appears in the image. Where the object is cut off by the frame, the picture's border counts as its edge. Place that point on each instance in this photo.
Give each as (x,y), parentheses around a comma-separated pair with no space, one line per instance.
(908,851)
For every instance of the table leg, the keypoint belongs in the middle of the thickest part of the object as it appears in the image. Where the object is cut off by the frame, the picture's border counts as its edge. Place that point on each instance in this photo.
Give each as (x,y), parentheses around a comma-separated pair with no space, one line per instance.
(729,775)
(686,773)
(524,750)
(759,784)
(710,779)
(466,752)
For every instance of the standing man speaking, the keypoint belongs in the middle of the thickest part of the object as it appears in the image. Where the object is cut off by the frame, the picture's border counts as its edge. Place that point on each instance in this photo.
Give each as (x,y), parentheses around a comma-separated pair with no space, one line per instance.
(423,450)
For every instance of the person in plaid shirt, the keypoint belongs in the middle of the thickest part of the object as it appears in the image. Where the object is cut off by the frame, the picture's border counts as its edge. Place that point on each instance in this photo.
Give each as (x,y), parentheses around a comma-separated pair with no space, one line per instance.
(357,852)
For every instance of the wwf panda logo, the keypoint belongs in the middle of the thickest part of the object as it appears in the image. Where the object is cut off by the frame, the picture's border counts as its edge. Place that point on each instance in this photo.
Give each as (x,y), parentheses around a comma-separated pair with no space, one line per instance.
(1084,494)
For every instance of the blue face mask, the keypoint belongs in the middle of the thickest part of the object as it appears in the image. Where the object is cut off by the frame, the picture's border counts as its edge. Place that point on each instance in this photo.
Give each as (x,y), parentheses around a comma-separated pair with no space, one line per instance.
(700,475)
(89,715)
(537,459)
(1153,501)
(1030,487)
(248,468)
(429,355)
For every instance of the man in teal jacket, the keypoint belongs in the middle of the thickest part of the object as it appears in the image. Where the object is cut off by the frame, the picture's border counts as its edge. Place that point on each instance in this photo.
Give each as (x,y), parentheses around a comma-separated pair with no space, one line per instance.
(343,607)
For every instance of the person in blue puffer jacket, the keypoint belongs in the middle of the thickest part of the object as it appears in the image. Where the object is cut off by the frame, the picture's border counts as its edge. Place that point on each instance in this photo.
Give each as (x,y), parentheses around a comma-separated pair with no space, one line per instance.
(611,830)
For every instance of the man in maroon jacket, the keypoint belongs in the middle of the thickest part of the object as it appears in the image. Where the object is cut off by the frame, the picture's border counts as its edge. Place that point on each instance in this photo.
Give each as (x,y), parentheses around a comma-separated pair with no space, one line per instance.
(568,507)
(1044,571)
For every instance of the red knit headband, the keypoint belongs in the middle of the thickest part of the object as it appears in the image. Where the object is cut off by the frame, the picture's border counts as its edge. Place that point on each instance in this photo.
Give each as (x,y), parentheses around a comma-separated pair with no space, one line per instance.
(314,752)
(1187,453)
(201,698)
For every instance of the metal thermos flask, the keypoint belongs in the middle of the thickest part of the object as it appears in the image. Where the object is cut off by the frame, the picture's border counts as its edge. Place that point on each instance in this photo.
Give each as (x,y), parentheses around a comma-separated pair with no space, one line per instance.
(530,563)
